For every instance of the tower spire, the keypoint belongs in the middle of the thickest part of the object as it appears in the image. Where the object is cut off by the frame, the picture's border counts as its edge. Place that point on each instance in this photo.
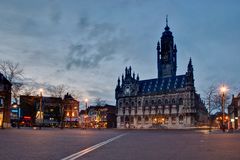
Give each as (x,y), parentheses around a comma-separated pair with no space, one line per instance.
(166,20)
(167,28)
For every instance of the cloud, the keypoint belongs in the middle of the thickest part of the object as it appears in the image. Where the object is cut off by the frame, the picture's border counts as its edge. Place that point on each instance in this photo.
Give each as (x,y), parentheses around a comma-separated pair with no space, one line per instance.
(55,13)
(99,42)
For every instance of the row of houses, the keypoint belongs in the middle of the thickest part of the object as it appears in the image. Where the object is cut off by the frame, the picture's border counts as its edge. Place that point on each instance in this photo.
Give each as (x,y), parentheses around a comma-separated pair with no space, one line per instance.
(51,111)
(47,111)
(58,112)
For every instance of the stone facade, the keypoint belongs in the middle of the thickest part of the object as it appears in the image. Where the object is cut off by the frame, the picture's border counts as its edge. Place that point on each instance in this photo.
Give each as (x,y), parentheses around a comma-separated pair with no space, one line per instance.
(169,101)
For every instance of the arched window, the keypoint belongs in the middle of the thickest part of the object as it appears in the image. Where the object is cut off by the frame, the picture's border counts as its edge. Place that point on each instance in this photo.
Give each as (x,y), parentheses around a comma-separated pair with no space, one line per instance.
(139,103)
(173,101)
(180,101)
(181,119)
(120,104)
(122,119)
(129,109)
(139,118)
(152,102)
(146,118)
(166,101)
(159,101)
(123,110)
(146,102)
(156,109)
(132,103)
(135,110)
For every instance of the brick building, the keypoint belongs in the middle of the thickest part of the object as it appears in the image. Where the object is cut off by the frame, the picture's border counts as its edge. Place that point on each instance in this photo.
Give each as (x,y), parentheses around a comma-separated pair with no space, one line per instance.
(5,101)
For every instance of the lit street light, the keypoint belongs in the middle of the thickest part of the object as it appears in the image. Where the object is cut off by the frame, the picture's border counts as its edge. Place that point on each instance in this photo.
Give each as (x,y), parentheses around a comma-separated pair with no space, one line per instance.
(40,108)
(223,91)
(86,103)
(85,117)
(18,115)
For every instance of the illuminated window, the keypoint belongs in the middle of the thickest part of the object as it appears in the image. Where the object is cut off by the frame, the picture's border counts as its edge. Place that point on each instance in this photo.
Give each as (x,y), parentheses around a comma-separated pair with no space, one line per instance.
(181,119)
(166,120)
(67,113)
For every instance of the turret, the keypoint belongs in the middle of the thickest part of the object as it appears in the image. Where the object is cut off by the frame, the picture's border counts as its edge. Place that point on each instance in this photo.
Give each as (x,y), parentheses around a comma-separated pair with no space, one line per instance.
(189,74)
(118,82)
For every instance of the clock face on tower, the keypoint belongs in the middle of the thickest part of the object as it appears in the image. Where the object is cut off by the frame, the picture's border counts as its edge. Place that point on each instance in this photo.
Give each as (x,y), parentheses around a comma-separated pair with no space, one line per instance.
(127,90)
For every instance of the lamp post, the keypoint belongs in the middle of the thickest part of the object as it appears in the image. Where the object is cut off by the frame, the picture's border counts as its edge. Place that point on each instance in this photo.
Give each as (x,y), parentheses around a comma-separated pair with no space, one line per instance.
(86,103)
(18,114)
(85,117)
(40,108)
(223,90)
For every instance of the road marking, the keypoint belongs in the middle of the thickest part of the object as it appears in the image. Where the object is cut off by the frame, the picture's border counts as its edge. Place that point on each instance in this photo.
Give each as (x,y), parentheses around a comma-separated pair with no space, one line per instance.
(85,151)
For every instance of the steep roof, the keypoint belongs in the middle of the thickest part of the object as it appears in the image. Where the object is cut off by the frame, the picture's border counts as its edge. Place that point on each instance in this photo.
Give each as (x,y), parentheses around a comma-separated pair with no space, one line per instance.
(4,80)
(162,85)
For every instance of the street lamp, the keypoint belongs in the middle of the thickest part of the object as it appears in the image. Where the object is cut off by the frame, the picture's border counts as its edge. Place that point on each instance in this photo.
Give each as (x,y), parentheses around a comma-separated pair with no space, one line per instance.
(85,117)
(15,105)
(86,103)
(223,91)
(40,108)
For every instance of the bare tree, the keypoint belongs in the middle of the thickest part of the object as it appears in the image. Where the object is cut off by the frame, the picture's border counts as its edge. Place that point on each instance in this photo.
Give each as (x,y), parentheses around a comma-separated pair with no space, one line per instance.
(99,102)
(14,73)
(28,90)
(58,91)
(210,98)
(75,94)
(213,99)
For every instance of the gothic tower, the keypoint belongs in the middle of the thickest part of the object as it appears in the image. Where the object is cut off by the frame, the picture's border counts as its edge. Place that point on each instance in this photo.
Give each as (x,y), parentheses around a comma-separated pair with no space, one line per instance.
(166,54)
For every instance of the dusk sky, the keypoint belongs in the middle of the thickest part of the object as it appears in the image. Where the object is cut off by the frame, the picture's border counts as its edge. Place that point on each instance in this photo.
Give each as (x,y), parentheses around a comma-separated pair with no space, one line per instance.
(86,44)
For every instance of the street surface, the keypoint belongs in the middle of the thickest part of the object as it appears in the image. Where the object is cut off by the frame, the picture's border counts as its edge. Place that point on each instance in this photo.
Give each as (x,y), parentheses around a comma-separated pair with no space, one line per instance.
(56,144)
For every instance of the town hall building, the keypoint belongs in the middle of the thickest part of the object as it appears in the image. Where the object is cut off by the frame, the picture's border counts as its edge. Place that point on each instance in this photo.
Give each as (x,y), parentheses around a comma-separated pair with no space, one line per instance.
(168,101)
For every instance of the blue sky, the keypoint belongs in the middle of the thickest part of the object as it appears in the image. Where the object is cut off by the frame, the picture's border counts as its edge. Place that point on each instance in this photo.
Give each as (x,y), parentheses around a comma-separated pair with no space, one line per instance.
(87,44)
